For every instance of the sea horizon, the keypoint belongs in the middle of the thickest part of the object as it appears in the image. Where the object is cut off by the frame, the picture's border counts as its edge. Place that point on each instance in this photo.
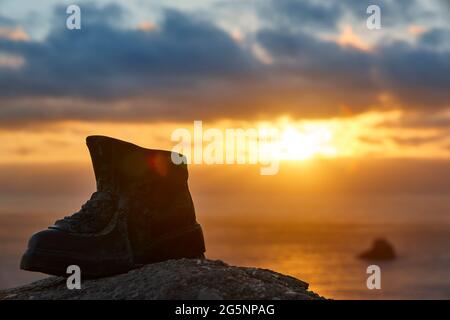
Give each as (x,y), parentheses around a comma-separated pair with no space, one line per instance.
(322,254)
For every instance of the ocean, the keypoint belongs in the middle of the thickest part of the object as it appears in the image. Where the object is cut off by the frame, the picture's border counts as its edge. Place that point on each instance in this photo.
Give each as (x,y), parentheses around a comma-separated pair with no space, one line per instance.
(322,254)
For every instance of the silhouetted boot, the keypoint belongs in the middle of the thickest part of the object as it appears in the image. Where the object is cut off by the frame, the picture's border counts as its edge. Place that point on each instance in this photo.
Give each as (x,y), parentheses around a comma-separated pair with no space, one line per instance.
(142,212)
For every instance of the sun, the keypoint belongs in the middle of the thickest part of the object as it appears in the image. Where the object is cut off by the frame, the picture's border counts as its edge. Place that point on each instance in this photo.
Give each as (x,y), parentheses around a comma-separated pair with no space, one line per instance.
(305,142)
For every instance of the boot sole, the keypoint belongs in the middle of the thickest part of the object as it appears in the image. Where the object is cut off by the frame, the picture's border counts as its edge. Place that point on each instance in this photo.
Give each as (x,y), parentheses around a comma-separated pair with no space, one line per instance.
(188,243)
(56,263)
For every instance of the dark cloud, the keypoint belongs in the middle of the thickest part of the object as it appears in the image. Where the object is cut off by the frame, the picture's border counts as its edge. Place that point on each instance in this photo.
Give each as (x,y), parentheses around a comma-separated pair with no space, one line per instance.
(435,38)
(322,65)
(418,76)
(421,120)
(303,13)
(189,68)
(101,60)
(417,141)
(5,21)
(327,15)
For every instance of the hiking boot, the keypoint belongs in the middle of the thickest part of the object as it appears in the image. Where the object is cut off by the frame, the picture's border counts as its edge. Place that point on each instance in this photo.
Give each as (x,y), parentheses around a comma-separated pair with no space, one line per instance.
(142,212)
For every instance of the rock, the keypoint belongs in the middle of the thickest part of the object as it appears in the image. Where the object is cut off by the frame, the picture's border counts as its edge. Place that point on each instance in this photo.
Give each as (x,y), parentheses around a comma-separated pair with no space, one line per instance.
(174,279)
(381,250)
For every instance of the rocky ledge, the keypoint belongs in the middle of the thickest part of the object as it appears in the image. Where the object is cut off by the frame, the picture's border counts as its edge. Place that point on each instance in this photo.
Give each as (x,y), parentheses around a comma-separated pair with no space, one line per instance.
(174,279)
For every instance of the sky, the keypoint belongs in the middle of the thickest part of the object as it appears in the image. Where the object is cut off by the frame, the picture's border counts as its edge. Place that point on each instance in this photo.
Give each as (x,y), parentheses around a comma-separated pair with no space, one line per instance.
(137,70)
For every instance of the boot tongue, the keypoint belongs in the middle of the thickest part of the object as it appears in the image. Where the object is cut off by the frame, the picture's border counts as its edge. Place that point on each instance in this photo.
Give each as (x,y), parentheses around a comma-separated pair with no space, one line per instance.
(102,151)
(93,216)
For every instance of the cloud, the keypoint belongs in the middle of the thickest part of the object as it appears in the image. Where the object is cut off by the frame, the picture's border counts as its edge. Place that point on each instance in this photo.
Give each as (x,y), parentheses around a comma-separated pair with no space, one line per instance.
(327,16)
(417,141)
(5,21)
(184,68)
(415,75)
(13,34)
(435,39)
(322,66)
(11,61)
(418,76)
(11,30)
(394,12)
(439,120)
(306,13)
(101,60)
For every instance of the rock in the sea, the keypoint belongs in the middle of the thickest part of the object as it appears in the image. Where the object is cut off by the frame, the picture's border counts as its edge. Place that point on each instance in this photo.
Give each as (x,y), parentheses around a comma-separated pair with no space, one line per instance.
(381,250)
(174,279)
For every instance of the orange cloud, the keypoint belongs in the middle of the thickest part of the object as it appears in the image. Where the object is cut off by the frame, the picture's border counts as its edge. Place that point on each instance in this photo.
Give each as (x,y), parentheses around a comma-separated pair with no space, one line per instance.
(14,34)
(237,35)
(349,38)
(261,54)
(416,30)
(147,26)
(11,61)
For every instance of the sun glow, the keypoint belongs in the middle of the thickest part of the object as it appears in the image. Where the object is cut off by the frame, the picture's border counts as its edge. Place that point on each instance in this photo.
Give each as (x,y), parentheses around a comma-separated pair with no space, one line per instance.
(314,140)
(303,142)
(370,134)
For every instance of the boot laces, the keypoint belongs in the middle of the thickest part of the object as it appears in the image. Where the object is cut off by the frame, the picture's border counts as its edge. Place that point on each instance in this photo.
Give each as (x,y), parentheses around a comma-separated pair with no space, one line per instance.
(89,209)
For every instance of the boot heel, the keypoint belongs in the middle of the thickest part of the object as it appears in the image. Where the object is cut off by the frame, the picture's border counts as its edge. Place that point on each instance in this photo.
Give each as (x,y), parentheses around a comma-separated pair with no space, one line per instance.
(189,244)
(186,244)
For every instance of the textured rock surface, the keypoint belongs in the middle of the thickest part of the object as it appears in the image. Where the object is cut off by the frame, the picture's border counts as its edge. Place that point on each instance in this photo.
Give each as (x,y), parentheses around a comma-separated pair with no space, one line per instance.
(174,279)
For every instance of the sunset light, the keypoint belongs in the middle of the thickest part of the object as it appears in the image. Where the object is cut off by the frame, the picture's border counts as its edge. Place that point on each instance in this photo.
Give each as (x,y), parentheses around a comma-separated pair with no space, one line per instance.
(306,142)
(212,143)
